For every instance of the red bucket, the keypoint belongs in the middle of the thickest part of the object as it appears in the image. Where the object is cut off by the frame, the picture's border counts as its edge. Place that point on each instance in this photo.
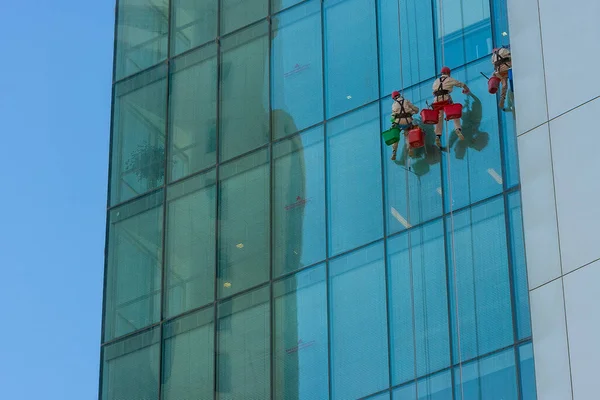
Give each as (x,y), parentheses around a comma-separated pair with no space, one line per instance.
(493,84)
(429,116)
(416,138)
(453,111)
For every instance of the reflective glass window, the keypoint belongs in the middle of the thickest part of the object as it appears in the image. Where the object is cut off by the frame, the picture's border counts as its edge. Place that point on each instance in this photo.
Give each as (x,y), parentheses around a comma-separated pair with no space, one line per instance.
(138,137)
(509,136)
(278,5)
(190,258)
(418,302)
(300,336)
(236,14)
(354,180)
(131,366)
(244,111)
(493,377)
(475,169)
(133,272)
(193,22)
(527,372)
(299,201)
(243,347)
(359,350)
(350,55)
(381,396)
(142,30)
(480,282)
(244,233)
(406,43)
(519,266)
(435,387)
(193,112)
(297,74)
(501,29)
(188,357)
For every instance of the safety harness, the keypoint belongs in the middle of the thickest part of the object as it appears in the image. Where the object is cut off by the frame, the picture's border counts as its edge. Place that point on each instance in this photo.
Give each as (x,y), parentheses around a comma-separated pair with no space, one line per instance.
(501,60)
(403,113)
(440,90)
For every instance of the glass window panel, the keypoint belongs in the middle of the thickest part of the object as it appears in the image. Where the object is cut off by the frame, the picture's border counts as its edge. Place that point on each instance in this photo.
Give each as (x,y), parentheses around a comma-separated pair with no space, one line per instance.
(193,22)
(501,29)
(188,357)
(519,265)
(278,5)
(130,368)
(412,183)
(190,269)
(299,201)
(297,75)
(527,372)
(244,233)
(475,164)
(407,392)
(381,396)
(359,350)
(300,345)
(509,136)
(138,138)
(493,377)
(244,112)
(193,112)
(435,387)
(415,29)
(133,274)
(142,30)
(238,13)
(354,171)
(477,28)
(244,351)
(423,321)
(350,55)
(477,250)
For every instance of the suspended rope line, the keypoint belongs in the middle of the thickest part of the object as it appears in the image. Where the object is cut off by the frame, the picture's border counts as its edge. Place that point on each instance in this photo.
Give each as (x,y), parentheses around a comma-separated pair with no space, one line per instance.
(450,201)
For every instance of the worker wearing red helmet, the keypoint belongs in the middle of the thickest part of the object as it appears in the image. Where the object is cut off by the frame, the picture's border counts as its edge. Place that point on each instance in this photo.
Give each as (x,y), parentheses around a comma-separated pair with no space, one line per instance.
(442,87)
(501,58)
(402,117)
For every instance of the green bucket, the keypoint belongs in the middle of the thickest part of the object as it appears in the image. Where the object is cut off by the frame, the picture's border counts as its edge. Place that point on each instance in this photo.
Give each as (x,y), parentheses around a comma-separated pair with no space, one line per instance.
(391,136)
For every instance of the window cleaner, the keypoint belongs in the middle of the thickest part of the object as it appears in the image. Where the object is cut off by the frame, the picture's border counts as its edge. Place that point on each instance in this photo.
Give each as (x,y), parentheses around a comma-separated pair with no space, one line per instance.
(402,118)
(501,59)
(442,103)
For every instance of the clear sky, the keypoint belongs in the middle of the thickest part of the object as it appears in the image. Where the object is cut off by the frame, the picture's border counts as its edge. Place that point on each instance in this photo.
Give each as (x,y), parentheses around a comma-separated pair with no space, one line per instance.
(55,75)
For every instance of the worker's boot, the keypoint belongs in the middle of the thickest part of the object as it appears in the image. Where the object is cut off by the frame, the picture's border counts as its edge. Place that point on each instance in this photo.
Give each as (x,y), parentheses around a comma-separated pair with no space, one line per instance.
(459,133)
(438,141)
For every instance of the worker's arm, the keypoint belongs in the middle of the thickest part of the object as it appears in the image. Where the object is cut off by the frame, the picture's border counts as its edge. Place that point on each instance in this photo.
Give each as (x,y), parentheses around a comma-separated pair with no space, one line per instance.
(410,107)
(454,82)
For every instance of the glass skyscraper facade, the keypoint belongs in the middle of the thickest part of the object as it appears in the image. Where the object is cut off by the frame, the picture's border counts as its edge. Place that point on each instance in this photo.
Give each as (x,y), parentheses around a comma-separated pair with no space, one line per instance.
(261,244)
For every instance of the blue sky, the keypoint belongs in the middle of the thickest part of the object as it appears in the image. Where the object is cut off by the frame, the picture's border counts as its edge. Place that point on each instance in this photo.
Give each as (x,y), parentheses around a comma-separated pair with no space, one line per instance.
(55,109)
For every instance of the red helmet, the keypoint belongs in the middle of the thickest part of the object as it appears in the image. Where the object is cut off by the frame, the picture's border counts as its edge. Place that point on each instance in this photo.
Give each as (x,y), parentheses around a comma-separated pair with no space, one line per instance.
(445,71)
(395,94)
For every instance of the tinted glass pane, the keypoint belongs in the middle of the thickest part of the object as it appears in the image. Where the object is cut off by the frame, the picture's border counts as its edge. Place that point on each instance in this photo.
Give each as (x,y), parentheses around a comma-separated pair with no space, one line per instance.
(477,252)
(300,353)
(382,396)
(142,29)
(133,273)
(413,183)
(243,358)
(412,61)
(350,54)
(193,22)
(299,202)
(359,351)
(131,368)
(509,136)
(278,5)
(244,223)
(138,142)
(193,112)
(527,372)
(190,244)
(493,377)
(244,115)
(475,166)
(238,13)
(418,303)
(501,29)
(354,173)
(297,75)
(519,265)
(188,362)
(436,387)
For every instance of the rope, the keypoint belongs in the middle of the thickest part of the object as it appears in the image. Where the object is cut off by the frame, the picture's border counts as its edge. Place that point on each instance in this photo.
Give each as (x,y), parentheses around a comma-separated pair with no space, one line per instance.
(452,244)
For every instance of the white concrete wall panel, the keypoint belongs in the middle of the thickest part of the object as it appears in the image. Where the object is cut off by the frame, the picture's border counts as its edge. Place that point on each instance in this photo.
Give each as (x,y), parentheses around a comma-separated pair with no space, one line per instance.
(570,34)
(577,183)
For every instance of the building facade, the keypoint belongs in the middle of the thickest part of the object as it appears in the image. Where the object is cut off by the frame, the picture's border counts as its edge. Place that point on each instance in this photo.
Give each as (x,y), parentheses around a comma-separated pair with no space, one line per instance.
(261,243)
(555,94)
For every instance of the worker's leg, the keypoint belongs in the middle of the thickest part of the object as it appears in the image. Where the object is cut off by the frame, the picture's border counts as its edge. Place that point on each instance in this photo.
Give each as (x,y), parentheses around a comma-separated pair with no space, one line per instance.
(504,82)
(438,128)
(394,150)
(458,128)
